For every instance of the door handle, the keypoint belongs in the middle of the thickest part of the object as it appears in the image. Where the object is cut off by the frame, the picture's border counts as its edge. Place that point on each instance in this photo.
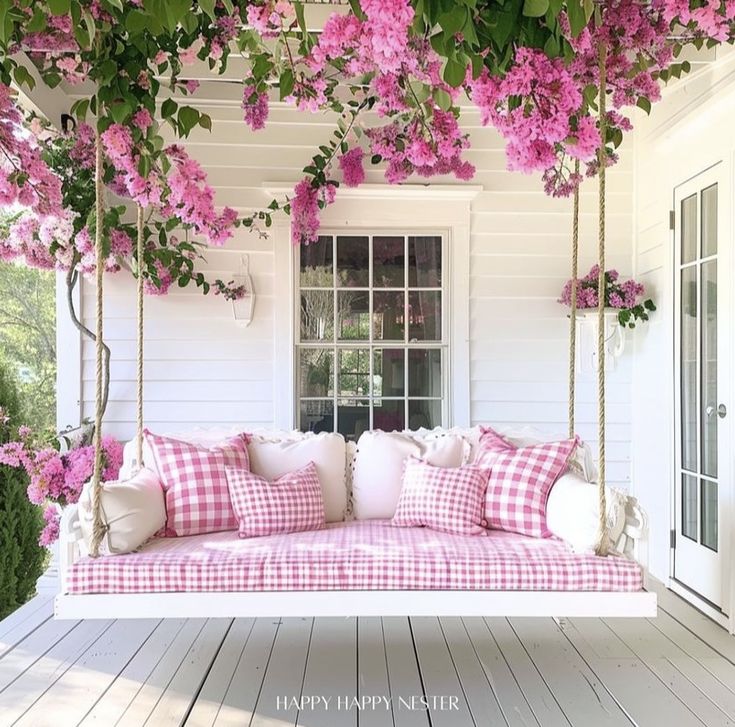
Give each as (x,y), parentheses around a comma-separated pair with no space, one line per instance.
(721,411)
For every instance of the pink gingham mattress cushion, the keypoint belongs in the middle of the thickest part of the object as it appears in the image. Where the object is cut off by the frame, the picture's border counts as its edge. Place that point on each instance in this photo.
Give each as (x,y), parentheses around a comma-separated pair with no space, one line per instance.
(358,555)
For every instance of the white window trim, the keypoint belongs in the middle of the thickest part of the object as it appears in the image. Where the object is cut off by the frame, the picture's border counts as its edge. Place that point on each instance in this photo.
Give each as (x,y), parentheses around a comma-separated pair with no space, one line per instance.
(376,206)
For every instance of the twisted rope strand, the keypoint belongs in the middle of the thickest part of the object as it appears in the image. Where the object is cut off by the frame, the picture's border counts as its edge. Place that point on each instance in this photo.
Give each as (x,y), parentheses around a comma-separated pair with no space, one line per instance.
(602,547)
(99,527)
(139,393)
(573,314)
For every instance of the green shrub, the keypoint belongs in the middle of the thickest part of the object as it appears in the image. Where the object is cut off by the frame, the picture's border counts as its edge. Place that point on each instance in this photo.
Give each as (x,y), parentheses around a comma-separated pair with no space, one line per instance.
(21,557)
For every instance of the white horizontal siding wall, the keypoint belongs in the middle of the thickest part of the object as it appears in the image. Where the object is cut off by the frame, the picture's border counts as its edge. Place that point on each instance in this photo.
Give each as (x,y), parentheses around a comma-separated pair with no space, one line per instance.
(202,369)
(687,132)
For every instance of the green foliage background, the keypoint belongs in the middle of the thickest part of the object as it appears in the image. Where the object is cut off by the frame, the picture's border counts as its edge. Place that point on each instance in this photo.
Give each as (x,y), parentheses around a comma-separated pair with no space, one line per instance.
(21,557)
(28,342)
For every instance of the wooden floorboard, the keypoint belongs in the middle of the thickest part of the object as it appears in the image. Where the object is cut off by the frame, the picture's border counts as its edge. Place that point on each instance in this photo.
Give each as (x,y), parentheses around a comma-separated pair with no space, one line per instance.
(576,688)
(677,670)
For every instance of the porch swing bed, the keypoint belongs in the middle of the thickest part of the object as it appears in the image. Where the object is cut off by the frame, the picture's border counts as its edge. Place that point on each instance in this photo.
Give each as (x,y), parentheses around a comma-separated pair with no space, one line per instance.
(362,567)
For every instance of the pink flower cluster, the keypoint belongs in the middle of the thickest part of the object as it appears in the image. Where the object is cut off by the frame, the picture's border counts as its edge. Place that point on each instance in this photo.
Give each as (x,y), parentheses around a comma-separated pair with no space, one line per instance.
(305,205)
(25,178)
(709,19)
(255,107)
(270,17)
(58,477)
(120,248)
(625,295)
(353,171)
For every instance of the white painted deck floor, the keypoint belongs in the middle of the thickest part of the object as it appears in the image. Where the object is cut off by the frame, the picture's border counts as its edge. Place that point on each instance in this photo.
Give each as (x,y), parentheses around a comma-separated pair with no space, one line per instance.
(673,671)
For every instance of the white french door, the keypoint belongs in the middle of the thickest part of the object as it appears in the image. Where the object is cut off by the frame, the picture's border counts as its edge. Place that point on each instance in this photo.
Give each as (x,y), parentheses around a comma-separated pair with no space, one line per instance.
(702,367)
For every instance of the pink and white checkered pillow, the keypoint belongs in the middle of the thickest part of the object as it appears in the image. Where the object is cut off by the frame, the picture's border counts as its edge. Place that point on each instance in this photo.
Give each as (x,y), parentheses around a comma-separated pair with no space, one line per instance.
(520,481)
(291,504)
(449,499)
(195,482)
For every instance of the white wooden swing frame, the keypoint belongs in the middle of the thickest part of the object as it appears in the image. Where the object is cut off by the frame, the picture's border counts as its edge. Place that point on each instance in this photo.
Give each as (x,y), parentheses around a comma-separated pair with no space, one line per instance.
(353,603)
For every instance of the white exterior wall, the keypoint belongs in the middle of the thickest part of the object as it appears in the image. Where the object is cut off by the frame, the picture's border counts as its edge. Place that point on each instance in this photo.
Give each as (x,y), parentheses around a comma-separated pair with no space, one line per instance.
(202,369)
(691,129)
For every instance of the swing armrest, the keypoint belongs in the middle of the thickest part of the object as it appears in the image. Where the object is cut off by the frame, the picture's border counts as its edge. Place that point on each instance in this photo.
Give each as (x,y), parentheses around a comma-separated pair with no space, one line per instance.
(71,543)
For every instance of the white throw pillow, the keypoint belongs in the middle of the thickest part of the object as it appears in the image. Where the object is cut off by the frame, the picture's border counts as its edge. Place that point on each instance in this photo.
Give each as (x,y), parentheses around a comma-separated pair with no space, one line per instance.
(572,511)
(134,511)
(273,455)
(378,467)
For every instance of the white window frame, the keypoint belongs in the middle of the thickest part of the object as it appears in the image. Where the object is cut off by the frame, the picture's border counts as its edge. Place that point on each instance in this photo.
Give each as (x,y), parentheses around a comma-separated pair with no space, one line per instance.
(409,209)
(371,344)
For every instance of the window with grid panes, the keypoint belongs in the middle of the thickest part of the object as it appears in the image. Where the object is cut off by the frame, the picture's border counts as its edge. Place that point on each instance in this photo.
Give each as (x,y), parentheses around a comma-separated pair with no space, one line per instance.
(371,339)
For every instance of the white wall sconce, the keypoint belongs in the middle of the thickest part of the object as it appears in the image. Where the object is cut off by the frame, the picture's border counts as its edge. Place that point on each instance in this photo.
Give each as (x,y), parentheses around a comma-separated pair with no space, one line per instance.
(587,327)
(242,309)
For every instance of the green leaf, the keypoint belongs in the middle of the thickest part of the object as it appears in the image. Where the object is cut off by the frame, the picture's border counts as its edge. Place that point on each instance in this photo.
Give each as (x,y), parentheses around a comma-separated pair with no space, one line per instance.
(299,9)
(443,99)
(205,121)
(188,118)
(577,16)
(644,103)
(168,108)
(535,8)
(454,72)
(59,7)
(286,83)
(453,21)
(208,7)
(23,77)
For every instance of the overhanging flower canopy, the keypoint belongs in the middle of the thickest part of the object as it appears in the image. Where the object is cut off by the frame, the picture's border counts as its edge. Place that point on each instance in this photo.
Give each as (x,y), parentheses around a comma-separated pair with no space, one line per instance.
(530,66)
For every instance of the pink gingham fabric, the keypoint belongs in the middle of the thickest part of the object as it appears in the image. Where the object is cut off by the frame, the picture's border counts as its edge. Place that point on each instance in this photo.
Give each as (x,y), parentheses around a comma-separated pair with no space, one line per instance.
(290,504)
(450,499)
(520,481)
(195,482)
(357,555)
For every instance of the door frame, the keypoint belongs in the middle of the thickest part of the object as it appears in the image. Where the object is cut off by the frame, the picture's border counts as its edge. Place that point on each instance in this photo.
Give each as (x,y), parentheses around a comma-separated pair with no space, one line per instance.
(726,501)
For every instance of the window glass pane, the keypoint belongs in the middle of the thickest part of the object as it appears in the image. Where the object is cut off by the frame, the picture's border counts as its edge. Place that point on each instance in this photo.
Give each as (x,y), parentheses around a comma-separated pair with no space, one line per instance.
(353,262)
(353,417)
(389,316)
(316,416)
(388,372)
(709,221)
(354,316)
(709,514)
(689,506)
(316,264)
(709,368)
(425,372)
(389,262)
(424,262)
(389,414)
(317,315)
(354,372)
(689,353)
(426,413)
(424,315)
(689,229)
(316,372)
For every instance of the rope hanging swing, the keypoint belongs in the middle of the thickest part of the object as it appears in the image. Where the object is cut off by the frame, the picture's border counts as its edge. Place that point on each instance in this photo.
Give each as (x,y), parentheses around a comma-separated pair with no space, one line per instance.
(603,544)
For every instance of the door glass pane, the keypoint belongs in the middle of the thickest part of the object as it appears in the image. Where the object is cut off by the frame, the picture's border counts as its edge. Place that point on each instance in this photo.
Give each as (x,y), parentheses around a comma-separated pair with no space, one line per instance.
(389,315)
(425,315)
(689,229)
(389,262)
(316,416)
(709,221)
(689,506)
(709,514)
(316,264)
(317,315)
(353,316)
(709,368)
(389,415)
(316,372)
(353,262)
(425,372)
(354,372)
(353,417)
(388,372)
(689,353)
(424,413)
(424,262)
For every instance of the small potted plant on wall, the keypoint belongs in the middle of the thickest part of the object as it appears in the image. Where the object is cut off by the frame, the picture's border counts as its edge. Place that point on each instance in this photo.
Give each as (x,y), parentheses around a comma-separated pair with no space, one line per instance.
(623,300)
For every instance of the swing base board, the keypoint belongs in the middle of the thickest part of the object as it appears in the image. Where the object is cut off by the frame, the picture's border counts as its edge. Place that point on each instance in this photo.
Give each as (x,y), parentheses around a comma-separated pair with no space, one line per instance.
(559,604)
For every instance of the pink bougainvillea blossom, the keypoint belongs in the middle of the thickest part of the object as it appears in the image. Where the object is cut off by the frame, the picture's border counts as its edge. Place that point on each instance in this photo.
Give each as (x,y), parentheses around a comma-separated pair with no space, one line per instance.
(255,107)
(353,171)
(52,520)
